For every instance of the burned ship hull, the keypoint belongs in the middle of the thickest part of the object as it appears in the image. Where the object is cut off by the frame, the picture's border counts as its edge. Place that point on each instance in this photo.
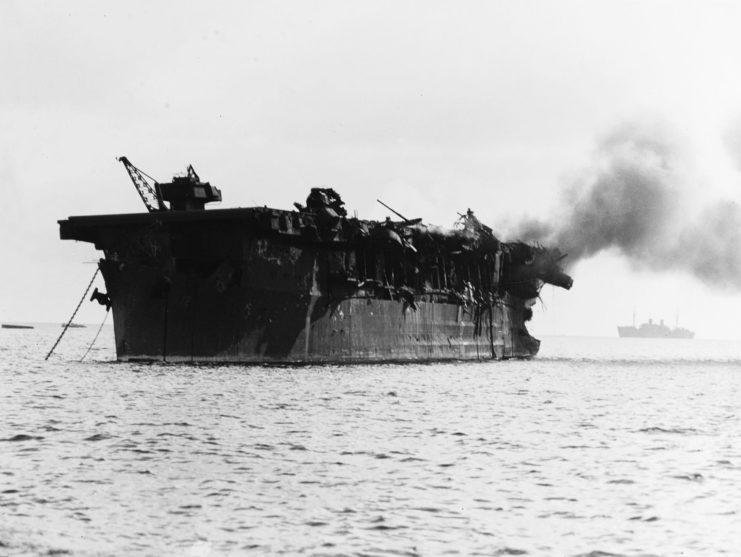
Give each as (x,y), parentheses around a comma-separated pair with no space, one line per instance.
(266,285)
(196,322)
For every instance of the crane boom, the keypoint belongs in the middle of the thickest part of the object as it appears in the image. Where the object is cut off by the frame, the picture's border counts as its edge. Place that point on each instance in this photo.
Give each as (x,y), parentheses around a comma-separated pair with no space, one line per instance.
(147,187)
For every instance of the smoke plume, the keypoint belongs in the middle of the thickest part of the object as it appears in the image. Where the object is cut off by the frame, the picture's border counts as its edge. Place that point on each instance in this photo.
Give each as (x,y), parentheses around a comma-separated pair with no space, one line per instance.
(634,199)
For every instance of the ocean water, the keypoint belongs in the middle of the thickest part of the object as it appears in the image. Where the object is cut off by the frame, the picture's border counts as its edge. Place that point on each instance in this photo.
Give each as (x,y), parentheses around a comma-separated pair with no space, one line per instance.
(598,447)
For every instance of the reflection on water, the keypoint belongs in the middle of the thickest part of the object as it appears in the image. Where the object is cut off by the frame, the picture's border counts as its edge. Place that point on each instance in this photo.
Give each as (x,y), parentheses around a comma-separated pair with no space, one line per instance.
(598,447)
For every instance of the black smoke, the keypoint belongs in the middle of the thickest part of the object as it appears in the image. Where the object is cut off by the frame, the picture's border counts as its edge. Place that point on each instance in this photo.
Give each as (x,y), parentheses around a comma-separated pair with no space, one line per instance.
(633,199)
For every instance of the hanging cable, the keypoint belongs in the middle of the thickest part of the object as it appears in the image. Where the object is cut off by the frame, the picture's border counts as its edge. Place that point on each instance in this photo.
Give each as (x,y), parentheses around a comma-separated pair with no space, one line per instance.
(107,311)
(95,274)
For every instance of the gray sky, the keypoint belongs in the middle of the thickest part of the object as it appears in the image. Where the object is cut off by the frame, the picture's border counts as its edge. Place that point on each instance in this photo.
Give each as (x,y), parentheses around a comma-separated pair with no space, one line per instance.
(433,107)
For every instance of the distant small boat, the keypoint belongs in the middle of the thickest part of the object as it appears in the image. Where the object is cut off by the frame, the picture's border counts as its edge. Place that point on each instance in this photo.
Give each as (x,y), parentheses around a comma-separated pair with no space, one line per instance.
(74,326)
(11,326)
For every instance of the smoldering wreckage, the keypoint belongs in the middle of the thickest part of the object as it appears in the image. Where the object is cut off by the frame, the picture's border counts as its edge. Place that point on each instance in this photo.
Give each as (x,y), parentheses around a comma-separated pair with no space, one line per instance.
(265,285)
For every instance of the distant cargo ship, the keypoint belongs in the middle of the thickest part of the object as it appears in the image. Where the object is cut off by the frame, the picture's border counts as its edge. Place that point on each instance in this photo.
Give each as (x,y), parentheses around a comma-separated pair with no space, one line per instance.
(654,330)
(13,326)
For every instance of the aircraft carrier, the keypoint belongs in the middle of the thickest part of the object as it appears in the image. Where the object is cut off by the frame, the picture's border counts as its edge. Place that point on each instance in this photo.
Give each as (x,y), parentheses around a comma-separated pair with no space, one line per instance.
(309,285)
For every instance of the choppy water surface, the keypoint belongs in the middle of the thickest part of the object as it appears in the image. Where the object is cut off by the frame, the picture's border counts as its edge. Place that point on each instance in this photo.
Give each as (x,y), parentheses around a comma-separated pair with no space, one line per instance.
(598,447)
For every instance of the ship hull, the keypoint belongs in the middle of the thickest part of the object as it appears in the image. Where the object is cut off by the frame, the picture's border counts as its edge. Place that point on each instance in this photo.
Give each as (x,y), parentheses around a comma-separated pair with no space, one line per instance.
(194,320)
(266,286)
(629,331)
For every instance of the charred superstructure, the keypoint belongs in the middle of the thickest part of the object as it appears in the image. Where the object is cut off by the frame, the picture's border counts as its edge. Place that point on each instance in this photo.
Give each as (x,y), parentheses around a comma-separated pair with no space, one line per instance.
(310,285)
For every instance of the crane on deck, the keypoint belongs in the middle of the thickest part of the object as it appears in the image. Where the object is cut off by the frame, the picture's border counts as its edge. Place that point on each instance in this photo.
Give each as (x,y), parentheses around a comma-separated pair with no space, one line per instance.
(148,188)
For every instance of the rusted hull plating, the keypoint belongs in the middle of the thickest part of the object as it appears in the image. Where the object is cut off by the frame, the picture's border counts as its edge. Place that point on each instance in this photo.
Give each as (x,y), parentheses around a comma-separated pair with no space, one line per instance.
(189,319)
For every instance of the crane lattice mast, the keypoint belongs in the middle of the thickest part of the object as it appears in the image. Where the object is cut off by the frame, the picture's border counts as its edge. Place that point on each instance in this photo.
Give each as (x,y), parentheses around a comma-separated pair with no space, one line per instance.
(147,187)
